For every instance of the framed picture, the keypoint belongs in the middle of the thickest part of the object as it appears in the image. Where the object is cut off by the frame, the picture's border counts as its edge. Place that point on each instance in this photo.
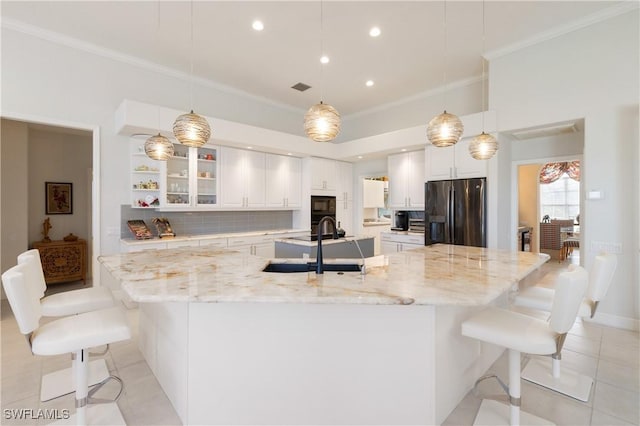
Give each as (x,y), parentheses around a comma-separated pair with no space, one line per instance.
(59,197)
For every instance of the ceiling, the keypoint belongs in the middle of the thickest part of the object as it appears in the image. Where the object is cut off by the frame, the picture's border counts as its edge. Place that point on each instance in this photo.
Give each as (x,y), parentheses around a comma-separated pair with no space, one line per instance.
(406,60)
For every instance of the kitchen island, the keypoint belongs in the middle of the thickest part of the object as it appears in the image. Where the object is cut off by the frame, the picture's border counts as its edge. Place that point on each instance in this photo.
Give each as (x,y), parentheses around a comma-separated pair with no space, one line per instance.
(231,344)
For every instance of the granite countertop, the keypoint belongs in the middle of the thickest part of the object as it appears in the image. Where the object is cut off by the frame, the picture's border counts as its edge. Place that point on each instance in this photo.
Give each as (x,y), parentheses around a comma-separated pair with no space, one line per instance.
(133,241)
(376,223)
(433,275)
(306,242)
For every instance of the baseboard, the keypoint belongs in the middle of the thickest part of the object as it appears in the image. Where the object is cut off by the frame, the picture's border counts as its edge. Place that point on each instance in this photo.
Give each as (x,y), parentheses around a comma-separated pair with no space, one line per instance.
(615,321)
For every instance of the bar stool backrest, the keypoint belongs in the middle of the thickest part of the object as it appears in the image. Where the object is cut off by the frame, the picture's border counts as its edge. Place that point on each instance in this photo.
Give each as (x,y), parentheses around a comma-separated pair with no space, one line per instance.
(25,306)
(569,292)
(36,274)
(601,275)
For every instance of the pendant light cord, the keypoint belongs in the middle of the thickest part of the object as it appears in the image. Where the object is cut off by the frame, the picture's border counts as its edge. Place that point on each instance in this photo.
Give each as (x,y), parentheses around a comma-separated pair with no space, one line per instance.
(483,65)
(444,72)
(191,56)
(321,52)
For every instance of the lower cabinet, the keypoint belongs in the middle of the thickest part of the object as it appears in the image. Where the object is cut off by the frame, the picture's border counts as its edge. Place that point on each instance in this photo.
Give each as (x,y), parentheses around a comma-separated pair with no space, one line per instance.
(393,243)
(256,245)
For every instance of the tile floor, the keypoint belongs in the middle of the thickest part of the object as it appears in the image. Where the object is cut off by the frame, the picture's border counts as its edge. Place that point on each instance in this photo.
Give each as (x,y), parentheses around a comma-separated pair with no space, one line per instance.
(608,354)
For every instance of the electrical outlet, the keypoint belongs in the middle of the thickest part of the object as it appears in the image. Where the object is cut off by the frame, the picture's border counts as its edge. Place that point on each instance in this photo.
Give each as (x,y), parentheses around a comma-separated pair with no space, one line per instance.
(607,247)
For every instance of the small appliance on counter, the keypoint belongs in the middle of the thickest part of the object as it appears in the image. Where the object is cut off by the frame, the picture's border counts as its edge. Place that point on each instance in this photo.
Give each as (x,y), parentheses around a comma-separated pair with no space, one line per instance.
(401,221)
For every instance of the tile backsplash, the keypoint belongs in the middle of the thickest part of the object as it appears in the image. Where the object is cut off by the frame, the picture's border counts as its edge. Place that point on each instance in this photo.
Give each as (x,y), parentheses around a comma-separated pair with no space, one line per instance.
(200,223)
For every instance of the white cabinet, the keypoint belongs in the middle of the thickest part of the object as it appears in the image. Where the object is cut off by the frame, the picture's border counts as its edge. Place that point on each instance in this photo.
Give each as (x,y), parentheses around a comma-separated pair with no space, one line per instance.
(243,175)
(145,177)
(375,232)
(344,196)
(453,162)
(372,194)
(323,176)
(394,243)
(262,245)
(283,181)
(190,177)
(406,180)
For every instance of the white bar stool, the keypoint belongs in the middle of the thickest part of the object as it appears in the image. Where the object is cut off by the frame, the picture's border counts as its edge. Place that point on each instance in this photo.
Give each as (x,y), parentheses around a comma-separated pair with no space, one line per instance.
(67,303)
(72,334)
(521,333)
(569,383)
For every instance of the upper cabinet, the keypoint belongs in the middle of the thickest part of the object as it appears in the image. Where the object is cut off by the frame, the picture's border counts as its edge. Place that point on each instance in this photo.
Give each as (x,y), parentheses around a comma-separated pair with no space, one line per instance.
(191,178)
(323,176)
(243,174)
(406,180)
(145,177)
(372,194)
(344,182)
(283,181)
(453,162)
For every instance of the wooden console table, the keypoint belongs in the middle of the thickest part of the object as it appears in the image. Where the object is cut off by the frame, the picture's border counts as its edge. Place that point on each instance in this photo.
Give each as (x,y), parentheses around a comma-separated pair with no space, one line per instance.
(63,261)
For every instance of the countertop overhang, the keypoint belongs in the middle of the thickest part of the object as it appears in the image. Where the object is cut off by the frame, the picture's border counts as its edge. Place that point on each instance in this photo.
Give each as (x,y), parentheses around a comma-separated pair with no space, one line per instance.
(433,275)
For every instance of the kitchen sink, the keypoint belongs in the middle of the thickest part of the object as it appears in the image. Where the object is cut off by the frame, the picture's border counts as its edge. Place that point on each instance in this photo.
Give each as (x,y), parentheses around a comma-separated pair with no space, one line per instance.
(310,267)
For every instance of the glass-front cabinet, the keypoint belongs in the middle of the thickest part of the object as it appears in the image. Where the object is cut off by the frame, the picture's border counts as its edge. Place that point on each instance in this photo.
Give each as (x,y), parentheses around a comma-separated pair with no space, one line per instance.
(191,178)
(145,177)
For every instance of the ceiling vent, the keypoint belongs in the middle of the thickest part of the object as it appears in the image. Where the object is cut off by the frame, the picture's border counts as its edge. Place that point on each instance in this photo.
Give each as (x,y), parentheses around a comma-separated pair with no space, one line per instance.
(541,132)
(301,87)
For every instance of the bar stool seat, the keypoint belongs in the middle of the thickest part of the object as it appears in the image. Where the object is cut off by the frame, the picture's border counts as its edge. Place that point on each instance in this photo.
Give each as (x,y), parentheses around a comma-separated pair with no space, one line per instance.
(71,334)
(520,333)
(67,335)
(76,302)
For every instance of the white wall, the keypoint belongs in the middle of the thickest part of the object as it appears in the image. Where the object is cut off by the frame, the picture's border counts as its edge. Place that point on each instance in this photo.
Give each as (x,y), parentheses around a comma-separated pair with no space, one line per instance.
(58,157)
(13,220)
(591,73)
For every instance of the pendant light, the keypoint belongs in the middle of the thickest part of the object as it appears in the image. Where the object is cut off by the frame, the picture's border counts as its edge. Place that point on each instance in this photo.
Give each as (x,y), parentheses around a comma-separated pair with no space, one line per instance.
(322,121)
(158,147)
(191,129)
(483,146)
(445,129)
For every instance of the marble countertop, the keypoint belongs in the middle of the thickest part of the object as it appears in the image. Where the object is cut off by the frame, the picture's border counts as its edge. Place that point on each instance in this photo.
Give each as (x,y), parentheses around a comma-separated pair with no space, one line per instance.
(133,241)
(433,275)
(305,242)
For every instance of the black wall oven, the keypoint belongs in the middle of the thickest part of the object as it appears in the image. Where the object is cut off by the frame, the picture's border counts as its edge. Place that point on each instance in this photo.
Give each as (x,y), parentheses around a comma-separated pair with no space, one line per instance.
(321,206)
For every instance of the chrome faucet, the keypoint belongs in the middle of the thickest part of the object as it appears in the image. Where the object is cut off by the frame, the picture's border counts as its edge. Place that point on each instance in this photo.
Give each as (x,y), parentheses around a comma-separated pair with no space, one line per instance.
(319,265)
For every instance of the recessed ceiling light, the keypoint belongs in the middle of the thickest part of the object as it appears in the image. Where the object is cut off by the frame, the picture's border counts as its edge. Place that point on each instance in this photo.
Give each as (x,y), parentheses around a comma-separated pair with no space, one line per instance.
(375,32)
(404,150)
(369,83)
(359,156)
(288,153)
(257,25)
(249,147)
(324,59)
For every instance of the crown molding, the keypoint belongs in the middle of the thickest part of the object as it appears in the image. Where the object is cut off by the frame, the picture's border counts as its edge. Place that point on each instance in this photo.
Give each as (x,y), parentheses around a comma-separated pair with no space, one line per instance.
(416,97)
(594,18)
(73,43)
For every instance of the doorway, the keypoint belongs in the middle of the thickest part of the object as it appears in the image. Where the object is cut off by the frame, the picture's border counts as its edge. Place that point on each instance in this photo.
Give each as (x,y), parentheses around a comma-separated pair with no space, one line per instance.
(35,152)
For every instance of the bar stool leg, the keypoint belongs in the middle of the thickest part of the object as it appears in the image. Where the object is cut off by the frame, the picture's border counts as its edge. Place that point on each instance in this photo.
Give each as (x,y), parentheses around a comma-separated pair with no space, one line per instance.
(81,365)
(514,387)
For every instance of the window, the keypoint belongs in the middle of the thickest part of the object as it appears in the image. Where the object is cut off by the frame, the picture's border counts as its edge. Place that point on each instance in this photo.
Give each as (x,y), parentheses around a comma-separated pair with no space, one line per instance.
(560,199)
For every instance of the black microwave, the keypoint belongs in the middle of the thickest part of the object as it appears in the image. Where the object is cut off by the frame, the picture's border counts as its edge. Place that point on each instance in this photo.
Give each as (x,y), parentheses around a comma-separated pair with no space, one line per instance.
(323,205)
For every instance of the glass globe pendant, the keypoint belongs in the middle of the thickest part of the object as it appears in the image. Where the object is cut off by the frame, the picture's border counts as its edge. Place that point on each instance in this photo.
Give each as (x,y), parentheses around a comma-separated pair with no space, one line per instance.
(322,122)
(192,129)
(445,130)
(483,146)
(158,147)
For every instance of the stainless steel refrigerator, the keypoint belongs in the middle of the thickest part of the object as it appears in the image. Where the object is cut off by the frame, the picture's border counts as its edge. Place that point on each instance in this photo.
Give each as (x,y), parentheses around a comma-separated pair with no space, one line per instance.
(456,212)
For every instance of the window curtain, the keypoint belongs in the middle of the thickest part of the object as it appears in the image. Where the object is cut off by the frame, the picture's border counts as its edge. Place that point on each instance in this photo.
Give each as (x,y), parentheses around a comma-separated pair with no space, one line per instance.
(551,172)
